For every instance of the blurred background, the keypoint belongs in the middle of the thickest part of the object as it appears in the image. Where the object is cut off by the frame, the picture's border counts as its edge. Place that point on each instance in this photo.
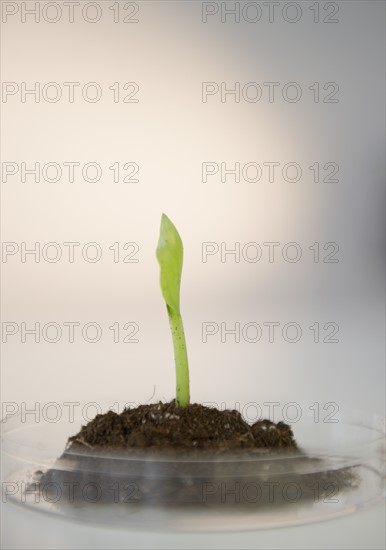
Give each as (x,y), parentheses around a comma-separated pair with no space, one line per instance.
(334,133)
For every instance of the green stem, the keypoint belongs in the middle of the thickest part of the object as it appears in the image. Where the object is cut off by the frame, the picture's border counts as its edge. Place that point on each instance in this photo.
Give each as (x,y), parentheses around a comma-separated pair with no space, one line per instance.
(180,357)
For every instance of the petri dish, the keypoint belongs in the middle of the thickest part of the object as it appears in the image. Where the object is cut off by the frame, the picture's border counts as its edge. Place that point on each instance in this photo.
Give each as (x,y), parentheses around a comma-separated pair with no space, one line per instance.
(338,469)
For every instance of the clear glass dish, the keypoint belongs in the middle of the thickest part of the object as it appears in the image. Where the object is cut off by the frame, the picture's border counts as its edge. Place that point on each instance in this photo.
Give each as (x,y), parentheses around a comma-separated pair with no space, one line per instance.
(340,469)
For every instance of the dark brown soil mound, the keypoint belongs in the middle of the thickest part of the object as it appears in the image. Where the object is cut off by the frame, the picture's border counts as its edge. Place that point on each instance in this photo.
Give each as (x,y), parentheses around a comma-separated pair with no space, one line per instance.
(166,426)
(192,455)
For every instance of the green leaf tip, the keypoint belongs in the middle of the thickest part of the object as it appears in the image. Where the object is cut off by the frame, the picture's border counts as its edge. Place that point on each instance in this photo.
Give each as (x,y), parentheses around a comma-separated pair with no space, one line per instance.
(170,257)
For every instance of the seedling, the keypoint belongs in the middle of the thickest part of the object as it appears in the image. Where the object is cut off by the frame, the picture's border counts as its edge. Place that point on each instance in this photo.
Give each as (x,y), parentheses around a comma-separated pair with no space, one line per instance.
(214,445)
(170,257)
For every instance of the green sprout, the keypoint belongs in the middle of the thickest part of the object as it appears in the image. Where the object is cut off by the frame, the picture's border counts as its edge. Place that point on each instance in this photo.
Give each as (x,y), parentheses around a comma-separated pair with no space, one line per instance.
(170,256)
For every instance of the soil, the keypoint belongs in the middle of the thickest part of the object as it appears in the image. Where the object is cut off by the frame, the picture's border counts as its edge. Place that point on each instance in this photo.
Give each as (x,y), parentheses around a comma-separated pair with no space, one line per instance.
(165,426)
(191,455)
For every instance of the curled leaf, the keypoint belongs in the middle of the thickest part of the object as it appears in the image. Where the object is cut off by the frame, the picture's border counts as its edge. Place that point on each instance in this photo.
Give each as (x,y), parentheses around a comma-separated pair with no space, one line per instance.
(170,256)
